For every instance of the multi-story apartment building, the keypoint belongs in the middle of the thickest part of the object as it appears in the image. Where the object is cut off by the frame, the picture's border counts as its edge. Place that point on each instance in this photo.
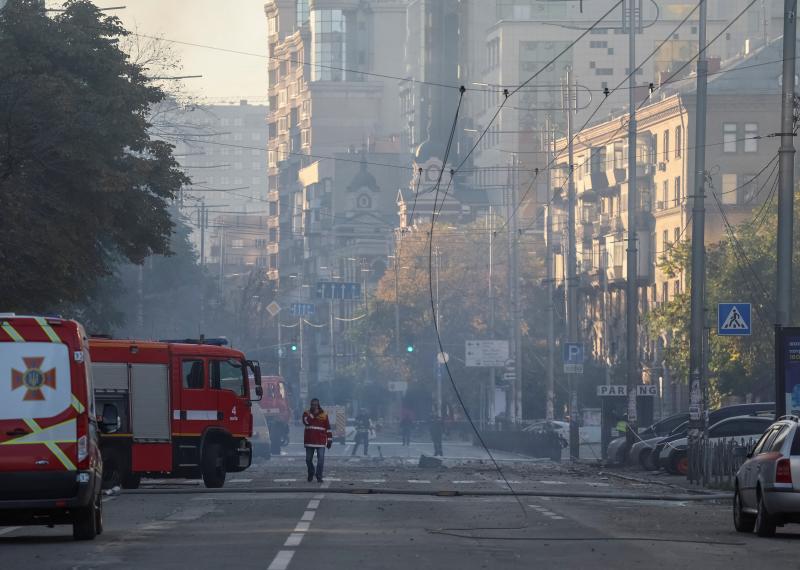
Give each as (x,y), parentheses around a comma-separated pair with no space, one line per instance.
(743,103)
(525,36)
(222,147)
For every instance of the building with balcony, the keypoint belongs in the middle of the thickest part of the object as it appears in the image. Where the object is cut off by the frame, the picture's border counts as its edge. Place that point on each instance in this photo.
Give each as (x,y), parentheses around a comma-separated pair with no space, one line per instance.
(743,103)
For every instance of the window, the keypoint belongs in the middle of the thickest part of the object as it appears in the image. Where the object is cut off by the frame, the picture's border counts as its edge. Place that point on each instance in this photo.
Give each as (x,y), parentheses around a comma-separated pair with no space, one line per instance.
(329,49)
(665,240)
(261,243)
(678,192)
(301,12)
(676,290)
(761,444)
(677,235)
(729,188)
(747,189)
(796,442)
(273,235)
(273,208)
(192,373)
(665,146)
(750,140)
(272,25)
(678,141)
(237,243)
(228,375)
(664,292)
(729,137)
(777,443)
(664,194)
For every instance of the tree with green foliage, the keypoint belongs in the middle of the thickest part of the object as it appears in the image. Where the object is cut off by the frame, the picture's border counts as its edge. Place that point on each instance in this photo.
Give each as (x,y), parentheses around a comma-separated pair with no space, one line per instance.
(741,267)
(83,185)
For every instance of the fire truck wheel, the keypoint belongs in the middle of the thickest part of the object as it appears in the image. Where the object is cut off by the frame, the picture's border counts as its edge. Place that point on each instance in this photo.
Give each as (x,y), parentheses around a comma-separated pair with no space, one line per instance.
(131,480)
(214,470)
(84,521)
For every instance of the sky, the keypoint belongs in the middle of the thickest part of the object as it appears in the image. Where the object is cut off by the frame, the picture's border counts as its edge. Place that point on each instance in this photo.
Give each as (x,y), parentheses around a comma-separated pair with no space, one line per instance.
(232,24)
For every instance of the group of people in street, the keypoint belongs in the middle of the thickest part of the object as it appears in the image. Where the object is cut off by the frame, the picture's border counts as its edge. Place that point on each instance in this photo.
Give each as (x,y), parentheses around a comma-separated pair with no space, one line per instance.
(318,436)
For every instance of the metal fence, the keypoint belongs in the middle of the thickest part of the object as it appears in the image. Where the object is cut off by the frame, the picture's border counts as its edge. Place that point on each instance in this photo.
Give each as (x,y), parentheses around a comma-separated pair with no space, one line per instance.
(714,464)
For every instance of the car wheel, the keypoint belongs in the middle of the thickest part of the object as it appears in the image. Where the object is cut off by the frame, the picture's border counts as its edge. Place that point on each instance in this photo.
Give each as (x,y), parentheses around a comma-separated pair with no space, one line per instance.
(678,464)
(84,522)
(744,522)
(214,469)
(99,515)
(764,524)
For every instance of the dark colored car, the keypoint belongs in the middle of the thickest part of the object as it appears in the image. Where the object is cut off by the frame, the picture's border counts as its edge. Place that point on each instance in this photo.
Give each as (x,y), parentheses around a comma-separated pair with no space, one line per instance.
(713,417)
(617,450)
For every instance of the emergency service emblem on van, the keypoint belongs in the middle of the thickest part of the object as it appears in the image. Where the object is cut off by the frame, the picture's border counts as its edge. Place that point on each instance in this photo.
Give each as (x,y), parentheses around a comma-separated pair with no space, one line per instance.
(33,379)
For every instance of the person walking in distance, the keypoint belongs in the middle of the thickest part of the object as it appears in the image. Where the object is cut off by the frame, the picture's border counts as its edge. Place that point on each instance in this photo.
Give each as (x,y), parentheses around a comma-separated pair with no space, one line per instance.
(317,438)
(406,424)
(436,428)
(363,426)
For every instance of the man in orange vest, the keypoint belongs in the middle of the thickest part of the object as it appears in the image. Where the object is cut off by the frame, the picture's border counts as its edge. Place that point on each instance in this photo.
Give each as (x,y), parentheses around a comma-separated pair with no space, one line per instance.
(316,439)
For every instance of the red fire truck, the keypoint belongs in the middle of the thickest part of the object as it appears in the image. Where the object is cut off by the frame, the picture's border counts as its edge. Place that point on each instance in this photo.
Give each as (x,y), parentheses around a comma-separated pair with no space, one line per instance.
(275,406)
(50,462)
(184,409)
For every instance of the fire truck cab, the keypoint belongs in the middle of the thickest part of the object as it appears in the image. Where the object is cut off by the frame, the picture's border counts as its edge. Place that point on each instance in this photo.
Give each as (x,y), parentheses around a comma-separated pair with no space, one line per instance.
(50,462)
(184,409)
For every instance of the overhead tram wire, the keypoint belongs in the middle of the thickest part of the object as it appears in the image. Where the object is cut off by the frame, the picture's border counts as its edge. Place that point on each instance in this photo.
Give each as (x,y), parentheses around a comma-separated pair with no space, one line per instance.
(439,341)
(644,101)
(508,93)
(599,105)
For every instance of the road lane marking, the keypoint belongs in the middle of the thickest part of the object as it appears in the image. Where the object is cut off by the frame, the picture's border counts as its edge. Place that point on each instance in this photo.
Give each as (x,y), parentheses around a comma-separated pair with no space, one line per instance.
(419,481)
(318,497)
(373,480)
(308,516)
(302,527)
(332,479)
(313,504)
(281,560)
(284,480)
(551,482)
(294,539)
(464,482)
(240,481)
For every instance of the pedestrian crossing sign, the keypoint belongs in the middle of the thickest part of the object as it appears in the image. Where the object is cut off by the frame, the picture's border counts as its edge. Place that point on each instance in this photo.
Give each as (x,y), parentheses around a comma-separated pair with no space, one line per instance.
(733,319)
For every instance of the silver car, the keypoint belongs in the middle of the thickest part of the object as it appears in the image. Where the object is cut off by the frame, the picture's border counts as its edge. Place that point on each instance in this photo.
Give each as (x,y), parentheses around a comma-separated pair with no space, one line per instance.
(767,492)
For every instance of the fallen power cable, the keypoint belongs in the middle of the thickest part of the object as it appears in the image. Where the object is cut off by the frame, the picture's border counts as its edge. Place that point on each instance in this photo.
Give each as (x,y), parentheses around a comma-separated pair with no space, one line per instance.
(434,493)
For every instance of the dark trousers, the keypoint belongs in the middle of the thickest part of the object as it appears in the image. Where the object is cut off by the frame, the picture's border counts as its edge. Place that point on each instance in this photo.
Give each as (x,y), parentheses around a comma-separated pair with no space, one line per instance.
(406,435)
(310,462)
(362,438)
(436,437)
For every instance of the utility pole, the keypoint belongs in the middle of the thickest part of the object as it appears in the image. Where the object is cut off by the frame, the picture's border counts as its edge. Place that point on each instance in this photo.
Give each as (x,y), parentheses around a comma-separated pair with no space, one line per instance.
(697,388)
(438,322)
(397,300)
(786,189)
(551,332)
(492,332)
(571,277)
(632,285)
(516,385)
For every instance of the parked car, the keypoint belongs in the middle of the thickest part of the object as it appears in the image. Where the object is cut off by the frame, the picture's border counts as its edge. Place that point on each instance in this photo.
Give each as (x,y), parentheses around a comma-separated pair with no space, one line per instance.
(675,458)
(640,451)
(538,426)
(713,417)
(617,450)
(767,485)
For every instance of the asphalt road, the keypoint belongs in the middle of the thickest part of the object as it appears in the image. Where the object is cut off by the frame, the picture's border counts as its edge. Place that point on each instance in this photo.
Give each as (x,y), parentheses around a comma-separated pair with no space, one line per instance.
(269,517)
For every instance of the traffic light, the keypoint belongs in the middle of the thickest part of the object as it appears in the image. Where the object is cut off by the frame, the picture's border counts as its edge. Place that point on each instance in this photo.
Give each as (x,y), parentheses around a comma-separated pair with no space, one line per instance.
(293,346)
(409,348)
